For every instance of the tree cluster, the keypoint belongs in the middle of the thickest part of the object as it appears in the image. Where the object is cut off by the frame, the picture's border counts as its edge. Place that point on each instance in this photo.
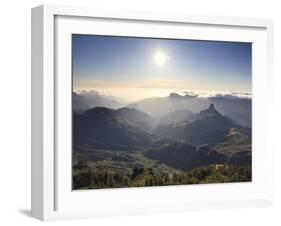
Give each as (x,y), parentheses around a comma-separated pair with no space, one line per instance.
(101,177)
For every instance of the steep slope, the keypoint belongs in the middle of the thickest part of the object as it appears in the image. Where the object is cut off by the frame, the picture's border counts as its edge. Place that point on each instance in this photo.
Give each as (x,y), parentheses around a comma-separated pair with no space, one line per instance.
(237,147)
(208,127)
(137,118)
(234,106)
(238,109)
(103,128)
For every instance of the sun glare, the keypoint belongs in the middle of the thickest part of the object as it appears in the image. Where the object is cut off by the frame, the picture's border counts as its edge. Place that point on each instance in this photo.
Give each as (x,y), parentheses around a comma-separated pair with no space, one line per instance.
(160,58)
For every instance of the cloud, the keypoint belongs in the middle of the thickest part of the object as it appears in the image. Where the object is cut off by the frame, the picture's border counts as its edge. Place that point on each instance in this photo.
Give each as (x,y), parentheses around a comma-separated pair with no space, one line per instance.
(233,96)
(190,94)
(213,94)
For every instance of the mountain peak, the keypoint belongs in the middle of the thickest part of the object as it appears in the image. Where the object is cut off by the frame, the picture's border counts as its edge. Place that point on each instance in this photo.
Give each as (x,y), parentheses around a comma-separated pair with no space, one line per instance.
(212,107)
(210,111)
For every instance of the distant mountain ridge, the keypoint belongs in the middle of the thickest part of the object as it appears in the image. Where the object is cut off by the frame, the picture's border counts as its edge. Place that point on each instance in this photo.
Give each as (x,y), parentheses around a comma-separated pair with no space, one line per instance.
(237,108)
(209,126)
(87,100)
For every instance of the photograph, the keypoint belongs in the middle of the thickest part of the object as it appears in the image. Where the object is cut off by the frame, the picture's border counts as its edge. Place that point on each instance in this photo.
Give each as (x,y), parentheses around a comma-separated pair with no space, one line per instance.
(152,111)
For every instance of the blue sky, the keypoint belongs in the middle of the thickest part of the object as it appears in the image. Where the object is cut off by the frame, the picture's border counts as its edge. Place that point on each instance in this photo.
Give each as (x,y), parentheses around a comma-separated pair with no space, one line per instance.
(143,67)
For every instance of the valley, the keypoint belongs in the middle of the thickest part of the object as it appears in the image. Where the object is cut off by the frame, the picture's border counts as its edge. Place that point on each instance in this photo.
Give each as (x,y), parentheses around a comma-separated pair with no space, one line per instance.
(126,147)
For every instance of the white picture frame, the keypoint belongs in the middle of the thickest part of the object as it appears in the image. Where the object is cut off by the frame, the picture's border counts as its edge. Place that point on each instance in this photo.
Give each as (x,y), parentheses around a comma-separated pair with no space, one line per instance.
(52,197)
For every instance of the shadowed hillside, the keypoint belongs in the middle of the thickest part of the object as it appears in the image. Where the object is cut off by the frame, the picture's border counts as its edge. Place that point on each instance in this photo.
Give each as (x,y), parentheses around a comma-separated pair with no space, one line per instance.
(127,147)
(103,128)
(207,127)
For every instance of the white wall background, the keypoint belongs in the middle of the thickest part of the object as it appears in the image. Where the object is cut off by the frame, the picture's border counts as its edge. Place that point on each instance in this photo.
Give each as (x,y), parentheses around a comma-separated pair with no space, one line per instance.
(15,112)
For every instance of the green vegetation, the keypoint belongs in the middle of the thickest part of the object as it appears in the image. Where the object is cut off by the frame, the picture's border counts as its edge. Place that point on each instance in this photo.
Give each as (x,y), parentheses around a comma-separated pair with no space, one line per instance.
(97,175)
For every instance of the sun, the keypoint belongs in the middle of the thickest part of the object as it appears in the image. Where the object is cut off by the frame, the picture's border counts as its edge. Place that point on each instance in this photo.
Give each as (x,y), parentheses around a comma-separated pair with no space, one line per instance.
(160,58)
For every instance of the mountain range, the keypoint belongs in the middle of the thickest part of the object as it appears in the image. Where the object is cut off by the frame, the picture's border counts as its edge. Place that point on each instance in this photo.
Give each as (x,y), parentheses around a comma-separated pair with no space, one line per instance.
(171,107)
(180,139)
(207,127)
(235,107)
(104,128)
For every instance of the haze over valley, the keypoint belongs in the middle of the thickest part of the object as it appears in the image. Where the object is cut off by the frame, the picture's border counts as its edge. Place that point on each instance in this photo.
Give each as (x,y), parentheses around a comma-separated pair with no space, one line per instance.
(174,105)
(160,137)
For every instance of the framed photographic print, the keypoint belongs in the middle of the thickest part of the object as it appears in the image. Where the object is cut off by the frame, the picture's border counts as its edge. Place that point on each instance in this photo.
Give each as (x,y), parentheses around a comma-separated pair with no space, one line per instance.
(137,112)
